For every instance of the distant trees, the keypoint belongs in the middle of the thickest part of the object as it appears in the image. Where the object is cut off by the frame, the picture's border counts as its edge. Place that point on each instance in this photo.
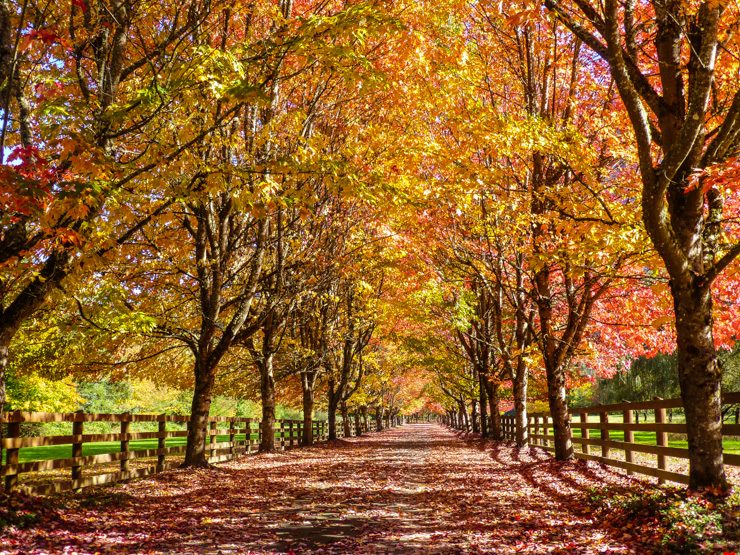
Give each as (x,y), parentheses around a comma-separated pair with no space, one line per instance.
(648,377)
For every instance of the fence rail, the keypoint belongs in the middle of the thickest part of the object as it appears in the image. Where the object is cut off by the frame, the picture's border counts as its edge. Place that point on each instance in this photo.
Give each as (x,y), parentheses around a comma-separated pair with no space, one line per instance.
(227,438)
(620,452)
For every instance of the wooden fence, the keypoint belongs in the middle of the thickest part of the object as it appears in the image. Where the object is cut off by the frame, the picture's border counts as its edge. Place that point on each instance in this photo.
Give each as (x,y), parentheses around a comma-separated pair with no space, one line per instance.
(621,452)
(227,439)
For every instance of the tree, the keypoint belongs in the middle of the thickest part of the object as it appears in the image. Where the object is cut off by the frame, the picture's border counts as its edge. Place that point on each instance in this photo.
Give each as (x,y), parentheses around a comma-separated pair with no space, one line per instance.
(344,365)
(676,84)
(83,106)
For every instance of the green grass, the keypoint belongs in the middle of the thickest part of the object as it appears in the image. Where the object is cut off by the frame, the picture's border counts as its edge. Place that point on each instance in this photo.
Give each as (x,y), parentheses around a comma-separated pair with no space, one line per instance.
(730,444)
(51,452)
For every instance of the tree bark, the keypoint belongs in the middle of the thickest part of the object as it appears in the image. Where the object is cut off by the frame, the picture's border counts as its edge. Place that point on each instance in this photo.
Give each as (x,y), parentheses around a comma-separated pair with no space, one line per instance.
(195,452)
(5,339)
(358,425)
(365,422)
(378,419)
(699,376)
(493,400)
(267,393)
(333,401)
(483,401)
(345,420)
(474,416)
(556,396)
(308,402)
(4,363)
(520,406)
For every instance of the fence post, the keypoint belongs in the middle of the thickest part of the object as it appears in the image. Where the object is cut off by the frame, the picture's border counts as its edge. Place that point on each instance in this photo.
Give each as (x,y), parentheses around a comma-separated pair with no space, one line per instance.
(77,431)
(125,429)
(11,458)
(629,437)
(248,436)
(232,437)
(290,433)
(661,437)
(213,430)
(585,433)
(604,420)
(537,440)
(161,441)
(545,424)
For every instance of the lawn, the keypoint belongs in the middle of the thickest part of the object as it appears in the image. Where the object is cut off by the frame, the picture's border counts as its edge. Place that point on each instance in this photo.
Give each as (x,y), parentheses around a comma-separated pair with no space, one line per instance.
(50,452)
(731,444)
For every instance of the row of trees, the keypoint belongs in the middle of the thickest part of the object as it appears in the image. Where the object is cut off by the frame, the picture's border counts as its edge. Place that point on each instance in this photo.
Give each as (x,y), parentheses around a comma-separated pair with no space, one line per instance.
(186,183)
(567,242)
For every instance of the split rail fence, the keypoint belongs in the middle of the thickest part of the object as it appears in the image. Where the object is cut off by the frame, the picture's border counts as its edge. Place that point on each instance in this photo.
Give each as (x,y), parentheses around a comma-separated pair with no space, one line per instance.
(227,438)
(620,452)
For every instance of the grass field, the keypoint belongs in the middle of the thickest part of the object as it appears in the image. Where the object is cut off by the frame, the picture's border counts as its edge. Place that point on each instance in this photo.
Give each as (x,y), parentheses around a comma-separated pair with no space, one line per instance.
(50,452)
(731,444)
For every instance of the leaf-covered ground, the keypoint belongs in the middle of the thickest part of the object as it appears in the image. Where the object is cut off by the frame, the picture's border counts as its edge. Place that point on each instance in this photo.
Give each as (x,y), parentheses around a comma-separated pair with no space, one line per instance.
(415,489)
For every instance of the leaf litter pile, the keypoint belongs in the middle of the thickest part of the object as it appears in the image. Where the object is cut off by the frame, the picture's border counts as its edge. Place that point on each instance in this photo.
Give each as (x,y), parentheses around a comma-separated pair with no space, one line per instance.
(415,489)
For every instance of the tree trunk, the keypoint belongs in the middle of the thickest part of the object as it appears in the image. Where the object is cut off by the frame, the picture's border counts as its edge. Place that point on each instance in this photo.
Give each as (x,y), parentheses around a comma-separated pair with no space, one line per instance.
(267,392)
(699,376)
(474,416)
(483,402)
(378,419)
(556,396)
(520,406)
(358,425)
(345,420)
(366,425)
(4,363)
(307,386)
(333,401)
(195,451)
(493,400)
(462,416)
